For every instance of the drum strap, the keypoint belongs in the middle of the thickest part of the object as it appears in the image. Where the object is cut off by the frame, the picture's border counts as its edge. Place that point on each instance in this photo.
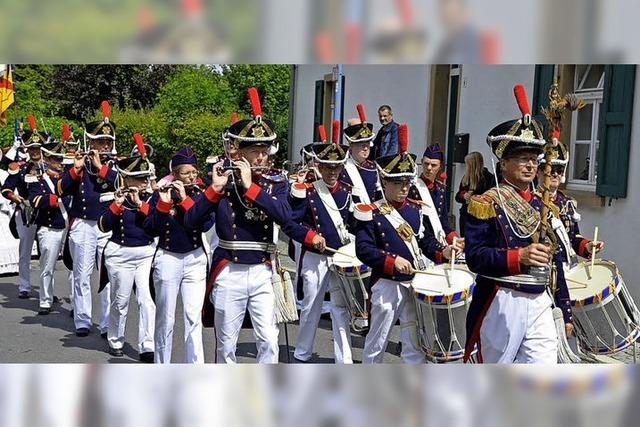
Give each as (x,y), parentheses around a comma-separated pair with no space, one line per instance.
(561,231)
(358,184)
(432,213)
(399,223)
(332,209)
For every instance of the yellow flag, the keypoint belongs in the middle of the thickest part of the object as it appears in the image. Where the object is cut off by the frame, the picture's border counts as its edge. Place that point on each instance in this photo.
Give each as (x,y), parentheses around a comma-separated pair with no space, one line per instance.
(6,91)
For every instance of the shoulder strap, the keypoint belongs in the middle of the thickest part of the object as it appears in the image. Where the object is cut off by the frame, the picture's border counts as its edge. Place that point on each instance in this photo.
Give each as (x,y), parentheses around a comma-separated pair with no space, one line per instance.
(358,184)
(331,208)
(430,209)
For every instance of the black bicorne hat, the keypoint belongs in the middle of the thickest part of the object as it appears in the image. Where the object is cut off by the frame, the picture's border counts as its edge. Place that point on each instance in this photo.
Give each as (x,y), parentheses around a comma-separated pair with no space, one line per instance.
(524,133)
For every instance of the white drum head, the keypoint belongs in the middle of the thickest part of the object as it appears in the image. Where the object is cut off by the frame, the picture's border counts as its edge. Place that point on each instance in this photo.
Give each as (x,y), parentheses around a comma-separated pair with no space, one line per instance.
(585,282)
(442,282)
(347,257)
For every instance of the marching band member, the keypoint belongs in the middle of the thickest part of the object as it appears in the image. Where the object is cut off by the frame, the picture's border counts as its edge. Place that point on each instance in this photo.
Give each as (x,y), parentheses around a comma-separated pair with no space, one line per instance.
(433,192)
(566,224)
(510,317)
(247,204)
(15,190)
(393,239)
(322,213)
(51,219)
(90,183)
(129,253)
(359,172)
(180,263)
(71,146)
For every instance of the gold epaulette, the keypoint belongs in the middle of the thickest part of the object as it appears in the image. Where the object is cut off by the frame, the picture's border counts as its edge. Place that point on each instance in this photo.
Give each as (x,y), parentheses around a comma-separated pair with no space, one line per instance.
(481,207)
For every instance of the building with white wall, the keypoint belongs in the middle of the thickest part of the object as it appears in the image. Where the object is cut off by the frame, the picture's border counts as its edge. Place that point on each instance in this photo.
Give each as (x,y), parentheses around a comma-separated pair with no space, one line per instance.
(439,101)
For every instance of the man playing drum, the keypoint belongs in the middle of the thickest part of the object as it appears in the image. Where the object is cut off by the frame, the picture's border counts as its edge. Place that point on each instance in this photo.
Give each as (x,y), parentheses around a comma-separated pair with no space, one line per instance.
(391,236)
(359,172)
(510,317)
(321,216)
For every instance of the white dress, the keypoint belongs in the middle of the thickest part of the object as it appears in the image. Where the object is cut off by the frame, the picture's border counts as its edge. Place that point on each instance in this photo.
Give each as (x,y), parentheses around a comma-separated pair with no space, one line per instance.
(9,255)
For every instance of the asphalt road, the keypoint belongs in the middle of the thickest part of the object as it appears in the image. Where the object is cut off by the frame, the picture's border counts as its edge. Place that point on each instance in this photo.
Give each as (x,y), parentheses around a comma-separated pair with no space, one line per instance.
(26,337)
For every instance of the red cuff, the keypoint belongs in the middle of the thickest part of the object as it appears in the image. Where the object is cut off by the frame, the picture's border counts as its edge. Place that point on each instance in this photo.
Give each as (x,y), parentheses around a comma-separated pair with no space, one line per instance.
(582,248)
(513,261)
(438,257)
(115,209)
(308,238)
(75,175)
(450,237)
(144,208)
(164,207)
(389,262)
(252,192)
(186,204)
(53,200)
(103,171)
(212,195)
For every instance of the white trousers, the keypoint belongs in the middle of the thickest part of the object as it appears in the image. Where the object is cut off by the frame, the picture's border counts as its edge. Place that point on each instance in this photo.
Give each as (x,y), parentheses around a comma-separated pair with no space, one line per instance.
(239,287)
(186,274)
(86,243)
(51,241)
(391,301)
(127,265)
(519,327)
(317,280)
(27,236)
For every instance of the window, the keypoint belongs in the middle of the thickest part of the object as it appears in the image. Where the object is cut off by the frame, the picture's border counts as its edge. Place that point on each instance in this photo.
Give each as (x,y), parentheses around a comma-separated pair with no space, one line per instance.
(583,164)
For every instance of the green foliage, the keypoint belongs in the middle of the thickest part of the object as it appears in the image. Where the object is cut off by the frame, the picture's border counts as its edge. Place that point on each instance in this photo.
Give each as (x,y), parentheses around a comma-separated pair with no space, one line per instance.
(170,106)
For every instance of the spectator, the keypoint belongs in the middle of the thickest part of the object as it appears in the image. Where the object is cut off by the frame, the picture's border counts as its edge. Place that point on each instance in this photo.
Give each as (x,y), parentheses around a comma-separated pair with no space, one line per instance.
(476,180)
(386,141)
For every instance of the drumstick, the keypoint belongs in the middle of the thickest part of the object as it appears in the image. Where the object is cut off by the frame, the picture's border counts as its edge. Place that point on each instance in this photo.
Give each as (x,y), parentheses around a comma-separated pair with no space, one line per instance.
(335,251)
(432,273)
(453,254)
(576,281)
(593,249)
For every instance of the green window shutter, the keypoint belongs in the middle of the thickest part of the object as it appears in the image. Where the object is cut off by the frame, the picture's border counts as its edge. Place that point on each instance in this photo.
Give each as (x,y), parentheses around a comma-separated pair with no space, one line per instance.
(318,108)
(614,130)
(541,85)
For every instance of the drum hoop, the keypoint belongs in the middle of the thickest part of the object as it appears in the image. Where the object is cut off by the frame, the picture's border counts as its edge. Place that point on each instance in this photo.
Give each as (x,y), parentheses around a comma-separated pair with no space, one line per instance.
(611,288)
(445,298)
(626,342)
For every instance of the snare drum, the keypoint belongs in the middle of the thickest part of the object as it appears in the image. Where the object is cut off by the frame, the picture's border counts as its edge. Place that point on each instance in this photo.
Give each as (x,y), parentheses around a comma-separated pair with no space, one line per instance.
(353,274)
(605,316)
(442,301)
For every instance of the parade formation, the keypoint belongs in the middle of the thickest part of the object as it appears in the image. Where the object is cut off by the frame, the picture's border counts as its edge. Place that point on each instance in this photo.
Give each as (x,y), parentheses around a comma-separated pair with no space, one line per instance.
(373,233)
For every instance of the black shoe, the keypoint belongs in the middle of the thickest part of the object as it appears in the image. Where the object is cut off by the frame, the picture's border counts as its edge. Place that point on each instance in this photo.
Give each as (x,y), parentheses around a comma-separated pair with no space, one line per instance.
(56,300)
(44,310)
(296,360)
(23,295)
(103,335)
(82,332)
(147,357)
(116,352)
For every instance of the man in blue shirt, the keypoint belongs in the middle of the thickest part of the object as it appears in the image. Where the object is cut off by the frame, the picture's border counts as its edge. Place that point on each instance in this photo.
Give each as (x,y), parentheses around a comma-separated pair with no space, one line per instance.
(386,141)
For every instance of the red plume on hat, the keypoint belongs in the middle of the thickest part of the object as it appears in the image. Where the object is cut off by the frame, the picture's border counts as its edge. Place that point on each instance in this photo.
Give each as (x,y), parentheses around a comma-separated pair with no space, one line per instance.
(106,110)
(361,114)
(323,133)
(140,144)
(254,99)
(32,122)
(234,117)
(335,132)
(65,132)
(403,138)
(523,104)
